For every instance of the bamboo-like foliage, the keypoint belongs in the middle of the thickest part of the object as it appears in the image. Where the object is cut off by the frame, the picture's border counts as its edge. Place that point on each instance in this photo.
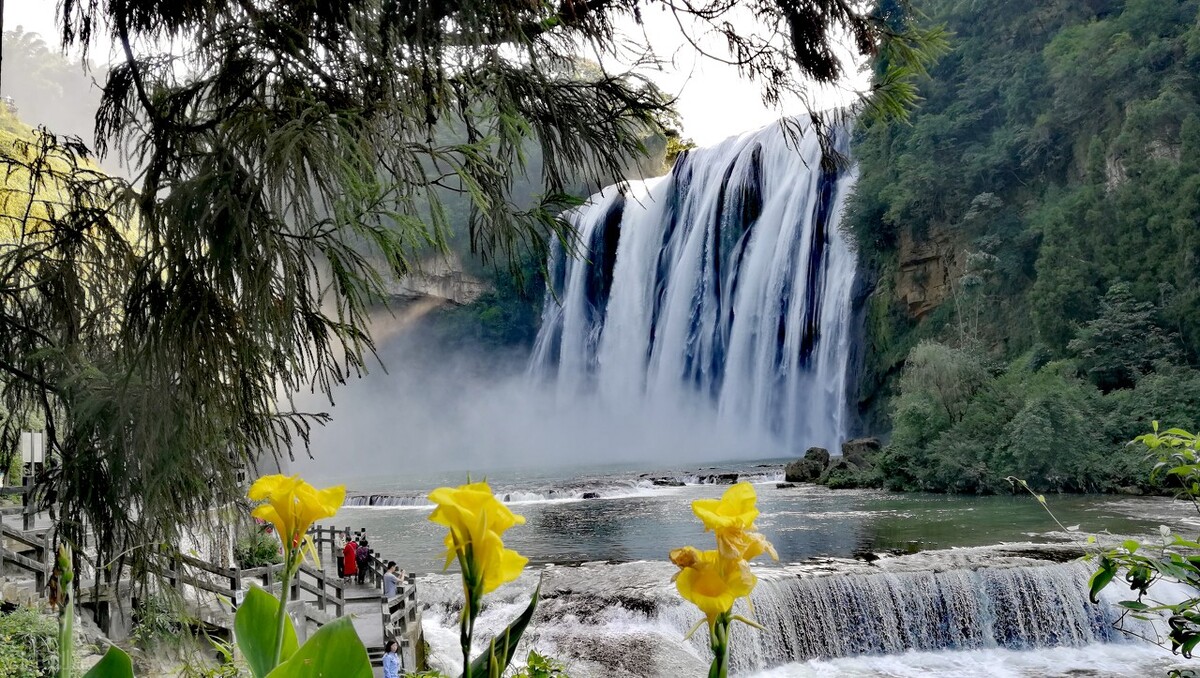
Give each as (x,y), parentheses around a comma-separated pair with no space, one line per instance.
(161,324)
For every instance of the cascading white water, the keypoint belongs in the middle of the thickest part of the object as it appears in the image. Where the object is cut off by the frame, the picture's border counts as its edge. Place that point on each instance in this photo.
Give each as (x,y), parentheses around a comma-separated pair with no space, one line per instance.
(724,285)
(1009,607)
(627,619)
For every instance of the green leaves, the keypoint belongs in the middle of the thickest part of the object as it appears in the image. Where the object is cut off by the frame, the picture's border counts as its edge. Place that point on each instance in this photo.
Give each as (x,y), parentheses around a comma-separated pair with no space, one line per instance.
(1101,578)
(502,648)
(254,627)
(335,651)
(114,664)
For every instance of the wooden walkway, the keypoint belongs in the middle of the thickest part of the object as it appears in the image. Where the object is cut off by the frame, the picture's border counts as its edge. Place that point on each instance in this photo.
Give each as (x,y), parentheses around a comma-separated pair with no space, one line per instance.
(212,593)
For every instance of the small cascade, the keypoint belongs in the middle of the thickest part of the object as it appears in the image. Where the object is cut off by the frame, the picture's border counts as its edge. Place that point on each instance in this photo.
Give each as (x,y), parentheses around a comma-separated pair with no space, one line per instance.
(723,289)
(1016,608)
(598,617)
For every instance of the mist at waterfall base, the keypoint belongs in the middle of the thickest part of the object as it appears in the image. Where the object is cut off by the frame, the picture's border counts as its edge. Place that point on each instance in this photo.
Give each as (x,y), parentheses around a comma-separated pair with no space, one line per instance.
(437,414)
(706,317)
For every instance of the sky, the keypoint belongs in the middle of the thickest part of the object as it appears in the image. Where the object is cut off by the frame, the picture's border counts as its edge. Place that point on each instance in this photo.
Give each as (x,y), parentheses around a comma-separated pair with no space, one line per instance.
(713,100)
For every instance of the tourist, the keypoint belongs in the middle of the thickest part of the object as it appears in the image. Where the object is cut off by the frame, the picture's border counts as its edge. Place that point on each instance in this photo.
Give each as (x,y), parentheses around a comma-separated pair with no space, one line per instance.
(391,582)
(350,560)
(391,660)
(361,555)
(339,547)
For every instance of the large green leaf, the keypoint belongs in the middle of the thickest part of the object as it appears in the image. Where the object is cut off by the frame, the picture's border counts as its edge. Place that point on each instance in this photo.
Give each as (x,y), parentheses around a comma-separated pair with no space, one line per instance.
(1101,578)
(114,664)
(254,628)
(501,649)
(335,651)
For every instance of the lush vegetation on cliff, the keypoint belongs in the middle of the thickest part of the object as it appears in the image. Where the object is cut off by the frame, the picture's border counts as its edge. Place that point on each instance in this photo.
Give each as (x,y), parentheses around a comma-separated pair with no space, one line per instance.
(1051,185)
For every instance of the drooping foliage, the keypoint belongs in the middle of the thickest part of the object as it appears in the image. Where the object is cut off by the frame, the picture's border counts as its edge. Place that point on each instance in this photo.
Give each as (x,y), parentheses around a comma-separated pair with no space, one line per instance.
(286,156)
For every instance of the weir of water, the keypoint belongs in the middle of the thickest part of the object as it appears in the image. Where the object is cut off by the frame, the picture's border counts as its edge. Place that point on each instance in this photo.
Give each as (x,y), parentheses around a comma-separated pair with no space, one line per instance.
(1008,607)
(627,619)
(725,285)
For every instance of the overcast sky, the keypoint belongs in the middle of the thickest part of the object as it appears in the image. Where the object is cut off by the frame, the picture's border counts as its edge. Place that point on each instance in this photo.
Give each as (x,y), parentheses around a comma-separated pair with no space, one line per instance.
(713,99)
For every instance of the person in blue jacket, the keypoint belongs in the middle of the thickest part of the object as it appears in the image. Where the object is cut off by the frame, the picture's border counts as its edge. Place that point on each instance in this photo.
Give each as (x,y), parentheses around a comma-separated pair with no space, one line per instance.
(391,660)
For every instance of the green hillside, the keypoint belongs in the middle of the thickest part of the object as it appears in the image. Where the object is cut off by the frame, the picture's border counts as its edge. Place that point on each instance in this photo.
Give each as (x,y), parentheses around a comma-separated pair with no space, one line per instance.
(1033,236)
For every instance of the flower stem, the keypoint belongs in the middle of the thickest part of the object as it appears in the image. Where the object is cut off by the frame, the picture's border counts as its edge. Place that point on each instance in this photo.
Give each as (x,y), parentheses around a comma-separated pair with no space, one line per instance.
(466,630)
(719,639)
(471,604)
(284,591)
(66,620)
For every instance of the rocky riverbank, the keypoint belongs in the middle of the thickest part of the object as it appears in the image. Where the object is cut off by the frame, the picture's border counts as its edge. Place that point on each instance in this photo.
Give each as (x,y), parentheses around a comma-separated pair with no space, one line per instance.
(854,468)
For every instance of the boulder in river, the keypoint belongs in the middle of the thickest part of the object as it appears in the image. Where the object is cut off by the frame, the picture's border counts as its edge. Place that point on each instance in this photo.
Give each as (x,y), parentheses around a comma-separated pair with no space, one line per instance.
(803,471)
(667,482)
(818,454)
(861,451)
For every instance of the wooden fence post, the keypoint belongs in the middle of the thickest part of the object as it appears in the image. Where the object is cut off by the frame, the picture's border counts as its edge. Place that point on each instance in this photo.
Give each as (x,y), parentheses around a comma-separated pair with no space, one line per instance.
(173,572)
(235,584)
(40,553)
(321,588)
(388,631)
(27,503)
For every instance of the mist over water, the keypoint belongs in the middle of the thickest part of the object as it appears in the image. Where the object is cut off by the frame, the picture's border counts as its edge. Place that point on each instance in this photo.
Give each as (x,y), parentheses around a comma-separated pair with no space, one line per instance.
(436,413)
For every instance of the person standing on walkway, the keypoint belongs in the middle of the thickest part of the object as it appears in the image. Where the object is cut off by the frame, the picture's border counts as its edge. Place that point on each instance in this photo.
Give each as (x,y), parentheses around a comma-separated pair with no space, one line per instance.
(391,581)
(350,560)
(391,660)
(339,549)
(362,554)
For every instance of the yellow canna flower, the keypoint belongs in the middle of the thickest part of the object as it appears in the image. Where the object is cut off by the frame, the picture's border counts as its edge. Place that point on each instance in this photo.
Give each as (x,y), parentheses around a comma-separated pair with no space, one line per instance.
(731,518)
(495,564)
(710,582)
(293,505)
(477,520)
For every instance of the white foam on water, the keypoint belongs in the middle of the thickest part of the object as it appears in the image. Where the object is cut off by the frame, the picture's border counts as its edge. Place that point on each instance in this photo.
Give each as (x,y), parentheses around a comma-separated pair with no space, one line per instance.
(1097,660)
(975,613)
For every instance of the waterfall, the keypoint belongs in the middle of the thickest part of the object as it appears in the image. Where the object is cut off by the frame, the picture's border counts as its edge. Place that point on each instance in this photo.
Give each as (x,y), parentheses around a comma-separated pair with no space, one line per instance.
(629,616)
(992,607)
(723,288)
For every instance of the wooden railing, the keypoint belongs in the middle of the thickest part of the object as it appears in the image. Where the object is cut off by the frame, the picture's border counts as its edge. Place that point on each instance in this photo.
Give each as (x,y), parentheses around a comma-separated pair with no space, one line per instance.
(402,620)
(27,510)
(38,564)
(400,614)
(230,582)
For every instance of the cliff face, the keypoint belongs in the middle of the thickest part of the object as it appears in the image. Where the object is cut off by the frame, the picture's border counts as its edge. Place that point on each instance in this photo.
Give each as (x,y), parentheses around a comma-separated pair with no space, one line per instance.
(928,265)
(440,278)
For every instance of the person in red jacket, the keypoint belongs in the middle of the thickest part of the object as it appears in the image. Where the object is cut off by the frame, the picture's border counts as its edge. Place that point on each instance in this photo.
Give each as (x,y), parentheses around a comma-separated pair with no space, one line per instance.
(349,559)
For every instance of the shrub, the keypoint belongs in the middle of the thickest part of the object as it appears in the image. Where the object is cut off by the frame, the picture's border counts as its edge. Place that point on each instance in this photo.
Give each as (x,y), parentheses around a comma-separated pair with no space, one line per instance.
(28,644)
(157,622)
(256,550)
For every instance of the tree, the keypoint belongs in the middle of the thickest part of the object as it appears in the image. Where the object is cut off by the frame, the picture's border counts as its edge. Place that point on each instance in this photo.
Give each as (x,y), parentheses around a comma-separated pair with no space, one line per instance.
(162,323)
(45,87)
(1123,343)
